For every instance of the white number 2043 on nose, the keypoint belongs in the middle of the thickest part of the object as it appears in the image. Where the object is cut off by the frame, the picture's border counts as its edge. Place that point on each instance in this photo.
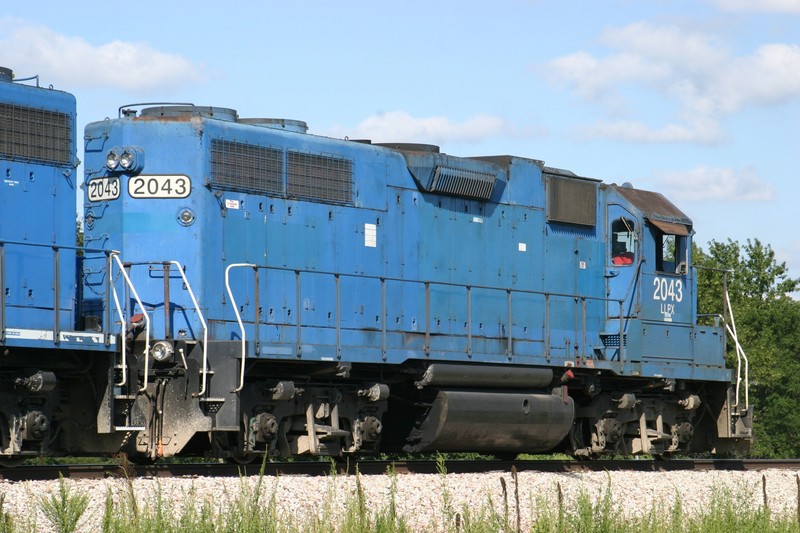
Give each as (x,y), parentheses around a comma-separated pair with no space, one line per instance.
(166,186)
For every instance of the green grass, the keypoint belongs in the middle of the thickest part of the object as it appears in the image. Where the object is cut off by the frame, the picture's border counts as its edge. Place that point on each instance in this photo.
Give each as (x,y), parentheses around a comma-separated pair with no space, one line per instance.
(253,507)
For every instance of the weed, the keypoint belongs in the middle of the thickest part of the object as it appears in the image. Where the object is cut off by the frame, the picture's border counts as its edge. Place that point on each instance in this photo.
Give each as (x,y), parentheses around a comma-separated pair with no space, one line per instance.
(64,508)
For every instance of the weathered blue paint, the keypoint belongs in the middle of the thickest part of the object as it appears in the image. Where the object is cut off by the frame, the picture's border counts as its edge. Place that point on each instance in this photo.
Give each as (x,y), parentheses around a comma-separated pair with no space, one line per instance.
(397,272)
(37,207)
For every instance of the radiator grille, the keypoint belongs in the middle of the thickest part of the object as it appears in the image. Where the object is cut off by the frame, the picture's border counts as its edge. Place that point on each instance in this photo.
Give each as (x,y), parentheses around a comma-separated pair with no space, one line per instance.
(247,167)
(571,201)
(319,177)
(38,135)
(459,182)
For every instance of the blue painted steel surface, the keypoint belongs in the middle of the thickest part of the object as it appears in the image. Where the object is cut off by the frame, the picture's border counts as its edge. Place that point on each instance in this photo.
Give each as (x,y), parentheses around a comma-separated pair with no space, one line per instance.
(37,212)
(389,272)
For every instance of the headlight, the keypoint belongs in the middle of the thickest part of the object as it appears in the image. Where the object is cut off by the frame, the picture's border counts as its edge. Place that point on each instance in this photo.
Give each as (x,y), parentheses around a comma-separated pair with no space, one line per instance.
(132,159)
(161,351)
(127,159)
(112,159)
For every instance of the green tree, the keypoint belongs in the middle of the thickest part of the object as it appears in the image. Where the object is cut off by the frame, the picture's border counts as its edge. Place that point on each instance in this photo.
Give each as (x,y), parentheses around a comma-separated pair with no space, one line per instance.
(768,326)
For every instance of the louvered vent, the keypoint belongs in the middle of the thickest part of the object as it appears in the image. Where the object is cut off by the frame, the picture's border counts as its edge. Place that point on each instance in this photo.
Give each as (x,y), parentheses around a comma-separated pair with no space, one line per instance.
(39,135)
(571,201)
(319,177)
(246,167)
(250,168)
(459,182)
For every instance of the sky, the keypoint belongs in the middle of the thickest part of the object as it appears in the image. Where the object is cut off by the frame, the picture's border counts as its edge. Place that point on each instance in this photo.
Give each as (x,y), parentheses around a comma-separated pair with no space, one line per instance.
(696,99)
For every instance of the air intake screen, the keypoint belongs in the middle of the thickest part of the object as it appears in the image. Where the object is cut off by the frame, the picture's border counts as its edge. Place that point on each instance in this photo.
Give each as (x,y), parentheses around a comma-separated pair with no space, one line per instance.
(459,182)
(35,135)
(246,167)
(571,201)
(319,177)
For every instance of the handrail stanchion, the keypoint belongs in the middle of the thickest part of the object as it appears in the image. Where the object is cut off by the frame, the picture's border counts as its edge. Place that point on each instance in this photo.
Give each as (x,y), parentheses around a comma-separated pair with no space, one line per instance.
(2,291)
(510,341)
(299,350)
(427,318)
(621,334)
(337,282)
(383,319)
(123,337)
(107,313)
(469,321)
(56,297)
(257,305)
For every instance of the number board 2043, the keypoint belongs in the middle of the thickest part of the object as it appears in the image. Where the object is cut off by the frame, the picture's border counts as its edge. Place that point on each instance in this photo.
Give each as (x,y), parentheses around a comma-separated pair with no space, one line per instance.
(160,186)
(100,189)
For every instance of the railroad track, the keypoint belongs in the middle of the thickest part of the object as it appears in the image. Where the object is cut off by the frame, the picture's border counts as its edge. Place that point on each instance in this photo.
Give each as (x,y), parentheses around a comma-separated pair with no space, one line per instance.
(321,468)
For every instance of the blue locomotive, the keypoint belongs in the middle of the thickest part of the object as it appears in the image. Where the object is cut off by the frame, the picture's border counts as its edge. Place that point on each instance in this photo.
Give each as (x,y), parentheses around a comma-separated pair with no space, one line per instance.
(246,288)
(49,362)
(286,293)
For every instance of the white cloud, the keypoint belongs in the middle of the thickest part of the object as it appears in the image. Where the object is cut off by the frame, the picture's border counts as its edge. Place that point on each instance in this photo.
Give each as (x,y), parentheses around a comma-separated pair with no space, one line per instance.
(695,131)
(73,62)
(759,6)
(691,71)
(400,126)
(717,184)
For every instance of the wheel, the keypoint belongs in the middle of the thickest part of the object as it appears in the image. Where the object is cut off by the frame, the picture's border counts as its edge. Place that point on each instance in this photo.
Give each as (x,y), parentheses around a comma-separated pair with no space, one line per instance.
(241,459)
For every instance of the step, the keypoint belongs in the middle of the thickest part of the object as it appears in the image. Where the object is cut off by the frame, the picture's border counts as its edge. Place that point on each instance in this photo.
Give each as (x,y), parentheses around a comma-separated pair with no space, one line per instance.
(213,400)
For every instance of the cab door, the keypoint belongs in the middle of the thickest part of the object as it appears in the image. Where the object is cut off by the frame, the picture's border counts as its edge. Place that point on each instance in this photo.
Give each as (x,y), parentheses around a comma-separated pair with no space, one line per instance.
(666,284)
(622,263)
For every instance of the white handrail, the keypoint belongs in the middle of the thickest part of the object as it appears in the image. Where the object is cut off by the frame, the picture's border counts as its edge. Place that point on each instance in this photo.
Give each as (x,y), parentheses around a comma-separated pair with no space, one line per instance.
(115,256)
(238,317)
(205,328)
(124,335)
(740,355)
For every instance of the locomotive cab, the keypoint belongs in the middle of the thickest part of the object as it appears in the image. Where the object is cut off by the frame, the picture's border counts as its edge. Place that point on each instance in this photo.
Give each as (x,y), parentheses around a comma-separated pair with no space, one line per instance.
(648,280)
(651,331)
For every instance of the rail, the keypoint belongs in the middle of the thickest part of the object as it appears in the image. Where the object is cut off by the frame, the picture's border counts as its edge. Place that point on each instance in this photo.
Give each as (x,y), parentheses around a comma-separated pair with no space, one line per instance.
(740,356)
(742,361)
(238,318)
(166,267)
(204,374)
(123,334)
(370,466)
(510,297)
(129,284)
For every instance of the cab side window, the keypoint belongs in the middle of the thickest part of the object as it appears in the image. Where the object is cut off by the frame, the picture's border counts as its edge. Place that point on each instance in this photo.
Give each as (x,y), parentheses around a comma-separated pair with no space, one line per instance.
(623,242)
(670,253)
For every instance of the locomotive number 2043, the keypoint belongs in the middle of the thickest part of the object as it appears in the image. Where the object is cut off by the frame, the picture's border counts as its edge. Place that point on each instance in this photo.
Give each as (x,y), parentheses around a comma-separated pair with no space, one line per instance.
(103,189)
(169,186)
(667,290)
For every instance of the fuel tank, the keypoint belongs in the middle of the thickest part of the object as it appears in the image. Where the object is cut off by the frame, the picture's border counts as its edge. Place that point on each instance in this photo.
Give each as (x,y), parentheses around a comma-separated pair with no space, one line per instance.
(469,421)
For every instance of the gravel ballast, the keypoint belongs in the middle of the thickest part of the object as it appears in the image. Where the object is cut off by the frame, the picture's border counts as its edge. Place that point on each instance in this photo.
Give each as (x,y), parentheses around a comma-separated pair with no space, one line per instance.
(424,500)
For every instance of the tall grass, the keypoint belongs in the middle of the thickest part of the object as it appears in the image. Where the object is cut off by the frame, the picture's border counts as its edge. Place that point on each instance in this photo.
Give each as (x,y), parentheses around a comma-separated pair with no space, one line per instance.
(345,506)
(64,508)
